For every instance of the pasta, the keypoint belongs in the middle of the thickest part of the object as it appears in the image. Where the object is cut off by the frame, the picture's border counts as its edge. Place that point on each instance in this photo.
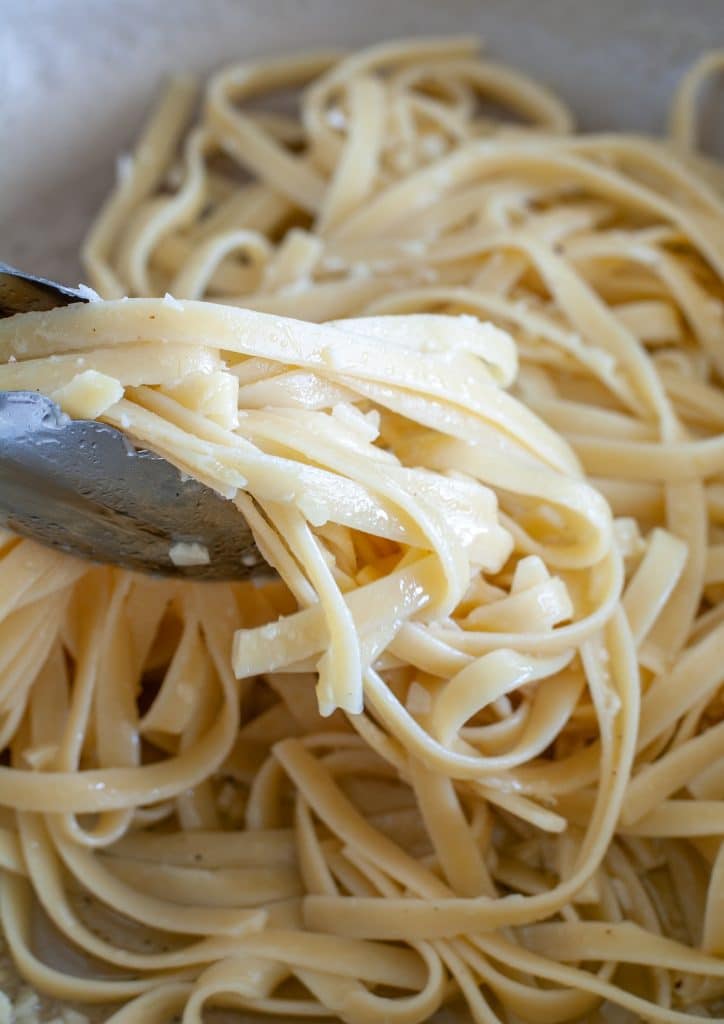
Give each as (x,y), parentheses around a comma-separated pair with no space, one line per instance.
(461,372)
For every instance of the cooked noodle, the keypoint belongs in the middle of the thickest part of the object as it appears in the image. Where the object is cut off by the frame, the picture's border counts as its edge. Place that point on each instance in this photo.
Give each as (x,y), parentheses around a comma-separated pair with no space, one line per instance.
(466,748)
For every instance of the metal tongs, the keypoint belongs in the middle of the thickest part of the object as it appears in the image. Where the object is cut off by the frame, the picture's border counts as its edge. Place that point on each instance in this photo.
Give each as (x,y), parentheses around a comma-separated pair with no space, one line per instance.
(82,487)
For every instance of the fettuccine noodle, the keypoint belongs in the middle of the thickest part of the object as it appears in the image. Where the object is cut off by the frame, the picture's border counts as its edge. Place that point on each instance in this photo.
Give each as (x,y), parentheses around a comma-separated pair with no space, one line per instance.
(461,372)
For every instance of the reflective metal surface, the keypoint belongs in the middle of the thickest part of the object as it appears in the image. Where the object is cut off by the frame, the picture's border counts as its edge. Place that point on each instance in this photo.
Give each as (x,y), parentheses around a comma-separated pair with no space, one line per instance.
(82,487)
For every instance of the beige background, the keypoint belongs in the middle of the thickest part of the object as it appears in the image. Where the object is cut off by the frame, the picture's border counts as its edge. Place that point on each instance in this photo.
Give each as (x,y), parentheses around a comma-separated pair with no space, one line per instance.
(77,75)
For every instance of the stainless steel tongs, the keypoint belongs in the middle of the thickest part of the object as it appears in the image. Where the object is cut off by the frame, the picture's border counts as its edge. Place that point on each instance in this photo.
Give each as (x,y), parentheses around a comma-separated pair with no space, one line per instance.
(81,486)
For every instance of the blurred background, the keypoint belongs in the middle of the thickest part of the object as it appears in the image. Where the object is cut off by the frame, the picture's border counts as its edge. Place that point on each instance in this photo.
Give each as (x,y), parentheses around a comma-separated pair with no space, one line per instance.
(77,76)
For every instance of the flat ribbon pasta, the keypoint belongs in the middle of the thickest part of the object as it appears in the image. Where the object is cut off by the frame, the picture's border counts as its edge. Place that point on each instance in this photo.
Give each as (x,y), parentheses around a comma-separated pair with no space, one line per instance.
(461,752)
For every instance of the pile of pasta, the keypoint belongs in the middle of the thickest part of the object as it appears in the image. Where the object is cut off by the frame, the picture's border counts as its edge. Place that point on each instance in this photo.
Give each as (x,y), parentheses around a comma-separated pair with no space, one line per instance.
(461,372)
